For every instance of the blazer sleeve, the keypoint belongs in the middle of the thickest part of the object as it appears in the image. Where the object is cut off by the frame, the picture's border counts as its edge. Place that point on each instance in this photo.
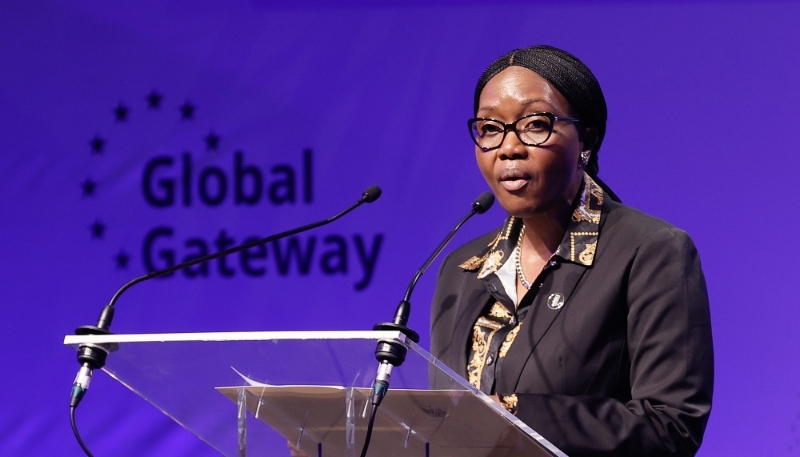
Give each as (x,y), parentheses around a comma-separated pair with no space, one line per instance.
(671,366)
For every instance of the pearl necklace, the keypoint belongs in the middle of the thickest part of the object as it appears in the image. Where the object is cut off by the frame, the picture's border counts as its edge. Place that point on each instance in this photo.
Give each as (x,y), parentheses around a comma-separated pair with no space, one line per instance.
(520,273)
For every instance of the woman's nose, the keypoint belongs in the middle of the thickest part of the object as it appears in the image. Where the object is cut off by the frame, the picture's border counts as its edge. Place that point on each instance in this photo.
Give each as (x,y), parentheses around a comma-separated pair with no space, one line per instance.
(512,147)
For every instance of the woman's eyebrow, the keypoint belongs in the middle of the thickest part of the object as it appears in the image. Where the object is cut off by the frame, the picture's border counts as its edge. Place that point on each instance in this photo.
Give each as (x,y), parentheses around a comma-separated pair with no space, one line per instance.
(531,101)
(526,102)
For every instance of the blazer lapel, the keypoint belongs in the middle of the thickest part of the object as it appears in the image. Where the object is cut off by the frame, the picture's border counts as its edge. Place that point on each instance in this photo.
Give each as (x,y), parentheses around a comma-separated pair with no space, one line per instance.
(539,319)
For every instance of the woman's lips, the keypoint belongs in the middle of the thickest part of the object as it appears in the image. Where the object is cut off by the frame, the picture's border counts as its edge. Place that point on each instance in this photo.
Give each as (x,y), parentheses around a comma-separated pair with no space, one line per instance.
(514,179)
(514,184)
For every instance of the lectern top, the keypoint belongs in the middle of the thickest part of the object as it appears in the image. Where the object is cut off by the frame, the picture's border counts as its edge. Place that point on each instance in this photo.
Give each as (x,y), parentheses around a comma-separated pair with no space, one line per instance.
(234,336)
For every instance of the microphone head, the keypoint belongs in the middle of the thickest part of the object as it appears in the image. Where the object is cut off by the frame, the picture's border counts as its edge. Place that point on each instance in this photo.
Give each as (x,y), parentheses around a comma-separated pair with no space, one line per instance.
(371,194)
(483,202)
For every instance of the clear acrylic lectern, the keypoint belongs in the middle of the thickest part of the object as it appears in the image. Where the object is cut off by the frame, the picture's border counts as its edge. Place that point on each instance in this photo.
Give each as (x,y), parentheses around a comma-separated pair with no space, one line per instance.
(248,394)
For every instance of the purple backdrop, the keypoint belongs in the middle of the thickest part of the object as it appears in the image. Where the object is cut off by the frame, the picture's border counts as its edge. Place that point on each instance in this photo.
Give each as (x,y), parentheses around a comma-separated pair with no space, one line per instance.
(133,133)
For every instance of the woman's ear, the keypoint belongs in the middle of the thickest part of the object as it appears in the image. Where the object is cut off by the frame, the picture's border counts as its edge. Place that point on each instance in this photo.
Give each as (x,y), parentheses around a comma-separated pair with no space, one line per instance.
(588,136)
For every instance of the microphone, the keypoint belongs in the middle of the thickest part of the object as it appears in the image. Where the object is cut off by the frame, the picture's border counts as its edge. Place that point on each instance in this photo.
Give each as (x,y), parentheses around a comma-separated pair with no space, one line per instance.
(93,356)
(391,353)
(370,195)
(482,203)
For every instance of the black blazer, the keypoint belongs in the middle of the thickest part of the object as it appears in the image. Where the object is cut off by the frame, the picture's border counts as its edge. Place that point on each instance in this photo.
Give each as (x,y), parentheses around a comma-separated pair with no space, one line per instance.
(625,367)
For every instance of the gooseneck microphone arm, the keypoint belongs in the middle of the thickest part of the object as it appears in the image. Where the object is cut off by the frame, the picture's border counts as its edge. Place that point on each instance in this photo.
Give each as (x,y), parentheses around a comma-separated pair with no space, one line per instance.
(369,196)
(479,206)
(392,353)
(93,356)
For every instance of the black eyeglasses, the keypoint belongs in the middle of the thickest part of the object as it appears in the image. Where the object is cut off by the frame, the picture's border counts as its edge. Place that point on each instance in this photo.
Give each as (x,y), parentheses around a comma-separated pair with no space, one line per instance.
(532,130)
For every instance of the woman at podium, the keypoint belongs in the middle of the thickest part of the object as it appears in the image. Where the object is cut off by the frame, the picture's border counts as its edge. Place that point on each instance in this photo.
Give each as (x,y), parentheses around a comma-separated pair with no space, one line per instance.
(586,318)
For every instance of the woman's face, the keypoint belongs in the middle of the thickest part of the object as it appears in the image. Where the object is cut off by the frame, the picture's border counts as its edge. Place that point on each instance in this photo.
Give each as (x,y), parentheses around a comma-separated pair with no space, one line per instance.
(529,180)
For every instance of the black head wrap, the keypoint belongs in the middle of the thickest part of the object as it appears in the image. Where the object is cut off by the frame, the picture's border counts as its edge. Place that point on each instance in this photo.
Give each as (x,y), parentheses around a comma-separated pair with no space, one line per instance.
(572,78)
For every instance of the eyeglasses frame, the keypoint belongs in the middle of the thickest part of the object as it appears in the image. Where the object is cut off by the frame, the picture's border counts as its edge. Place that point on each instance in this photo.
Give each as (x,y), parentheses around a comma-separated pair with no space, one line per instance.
(513,128)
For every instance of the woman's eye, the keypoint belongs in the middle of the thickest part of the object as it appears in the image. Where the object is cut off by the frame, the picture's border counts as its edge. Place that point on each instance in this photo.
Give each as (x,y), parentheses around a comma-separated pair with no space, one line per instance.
(536,125)
(489,129)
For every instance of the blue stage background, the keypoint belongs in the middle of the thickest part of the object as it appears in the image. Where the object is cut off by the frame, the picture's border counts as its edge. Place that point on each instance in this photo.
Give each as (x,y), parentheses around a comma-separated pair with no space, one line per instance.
(136,132)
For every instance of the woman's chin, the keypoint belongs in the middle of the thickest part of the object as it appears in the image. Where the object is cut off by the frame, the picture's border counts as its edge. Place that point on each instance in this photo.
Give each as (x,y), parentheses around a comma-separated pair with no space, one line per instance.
(519,207)
(527,206)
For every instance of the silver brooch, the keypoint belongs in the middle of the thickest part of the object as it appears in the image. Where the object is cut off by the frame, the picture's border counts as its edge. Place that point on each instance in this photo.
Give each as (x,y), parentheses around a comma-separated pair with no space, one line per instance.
(555,301)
